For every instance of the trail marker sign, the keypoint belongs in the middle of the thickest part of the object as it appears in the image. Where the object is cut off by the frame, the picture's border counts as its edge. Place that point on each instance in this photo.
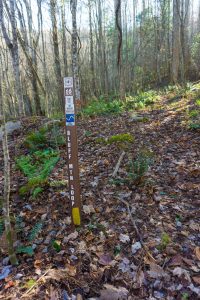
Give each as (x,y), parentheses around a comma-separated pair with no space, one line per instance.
(72,150)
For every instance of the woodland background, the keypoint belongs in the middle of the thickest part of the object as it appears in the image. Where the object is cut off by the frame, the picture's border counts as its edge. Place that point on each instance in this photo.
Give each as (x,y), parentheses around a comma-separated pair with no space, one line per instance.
(123,47)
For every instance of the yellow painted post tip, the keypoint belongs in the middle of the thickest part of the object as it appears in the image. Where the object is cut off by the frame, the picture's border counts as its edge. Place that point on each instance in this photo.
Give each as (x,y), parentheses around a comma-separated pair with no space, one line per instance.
(76,216)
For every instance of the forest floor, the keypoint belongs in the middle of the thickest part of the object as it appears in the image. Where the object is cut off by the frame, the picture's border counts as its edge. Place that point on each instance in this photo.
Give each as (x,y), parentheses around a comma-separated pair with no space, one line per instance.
(151,251)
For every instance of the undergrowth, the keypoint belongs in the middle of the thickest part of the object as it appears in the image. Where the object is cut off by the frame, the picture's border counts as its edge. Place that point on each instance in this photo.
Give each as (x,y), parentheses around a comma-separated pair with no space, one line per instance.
(137,168)
(46,137)
(37,167)
(102,107)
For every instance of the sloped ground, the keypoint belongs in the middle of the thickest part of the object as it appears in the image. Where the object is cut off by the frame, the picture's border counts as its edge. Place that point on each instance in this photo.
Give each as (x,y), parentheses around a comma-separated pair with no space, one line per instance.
(162,262)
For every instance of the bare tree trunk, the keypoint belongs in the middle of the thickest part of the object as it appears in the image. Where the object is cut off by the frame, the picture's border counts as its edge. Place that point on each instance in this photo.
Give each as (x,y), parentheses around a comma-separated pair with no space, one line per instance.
(12,45)
(175,42)
(64,40)
(57,65)
(118,23)
(91,49)
(44,65)
(6,198)
(75,69)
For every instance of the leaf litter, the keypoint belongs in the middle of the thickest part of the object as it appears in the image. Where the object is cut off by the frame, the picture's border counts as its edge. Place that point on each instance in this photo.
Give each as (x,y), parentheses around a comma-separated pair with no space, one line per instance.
(105,258)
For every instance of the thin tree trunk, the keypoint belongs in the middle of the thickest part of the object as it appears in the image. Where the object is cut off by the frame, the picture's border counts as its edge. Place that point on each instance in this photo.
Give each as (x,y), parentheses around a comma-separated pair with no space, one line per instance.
(91,49)
(118,24)
(175,42)
(6,198)
(57,65)
(75,69)
(12,45)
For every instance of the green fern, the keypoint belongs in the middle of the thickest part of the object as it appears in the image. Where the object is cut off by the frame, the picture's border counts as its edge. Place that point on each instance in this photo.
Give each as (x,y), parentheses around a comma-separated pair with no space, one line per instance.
(2,227)
(25,250)
(37,168)
(18,224)
(35,231)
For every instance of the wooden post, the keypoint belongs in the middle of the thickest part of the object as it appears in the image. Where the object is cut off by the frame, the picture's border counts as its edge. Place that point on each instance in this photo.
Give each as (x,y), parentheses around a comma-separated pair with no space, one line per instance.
(72,150)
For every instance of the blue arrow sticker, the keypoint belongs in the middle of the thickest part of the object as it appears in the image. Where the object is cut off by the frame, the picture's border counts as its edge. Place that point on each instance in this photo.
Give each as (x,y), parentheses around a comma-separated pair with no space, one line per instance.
(70,119)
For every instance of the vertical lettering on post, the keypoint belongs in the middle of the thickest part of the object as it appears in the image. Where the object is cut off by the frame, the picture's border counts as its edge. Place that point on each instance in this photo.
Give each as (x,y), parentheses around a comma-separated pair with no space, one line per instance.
(72,150)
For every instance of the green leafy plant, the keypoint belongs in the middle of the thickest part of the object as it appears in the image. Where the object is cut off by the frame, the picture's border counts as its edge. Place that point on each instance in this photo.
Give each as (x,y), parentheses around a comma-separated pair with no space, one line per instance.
(35,231)
(142,100)
(56,245)
(194,113)
(102,107)
(37,168)
(2,227)
(25,250)
(194,126)
(185,296)
(30,283)
(198,102)
(36,140)
(165,240)
(138,167)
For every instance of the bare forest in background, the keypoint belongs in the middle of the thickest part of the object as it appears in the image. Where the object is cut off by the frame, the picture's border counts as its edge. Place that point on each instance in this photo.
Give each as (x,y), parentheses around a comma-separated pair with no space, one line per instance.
(121,47)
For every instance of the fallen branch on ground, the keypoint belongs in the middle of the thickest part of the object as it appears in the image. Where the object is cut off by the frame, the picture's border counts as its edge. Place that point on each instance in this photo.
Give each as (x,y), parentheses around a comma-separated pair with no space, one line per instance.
(118,164)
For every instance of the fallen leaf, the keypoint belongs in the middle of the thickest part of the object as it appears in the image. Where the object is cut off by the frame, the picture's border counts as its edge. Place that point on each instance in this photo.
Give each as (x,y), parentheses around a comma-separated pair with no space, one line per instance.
(71,270)
(182,272)
(197,252)
(9,284)
(140,278)
(111,292)
(196,279)
(37,263)
(156,271)
(124,238)
(88,209)
(72,236)
(82,247)
(105,259)
(135,247)
(5,272)
(53,295)
(177,260)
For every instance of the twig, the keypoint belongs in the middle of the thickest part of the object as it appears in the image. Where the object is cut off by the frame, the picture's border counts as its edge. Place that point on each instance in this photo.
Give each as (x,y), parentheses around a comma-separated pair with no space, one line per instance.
(137,230)
(30,289)
(118,164)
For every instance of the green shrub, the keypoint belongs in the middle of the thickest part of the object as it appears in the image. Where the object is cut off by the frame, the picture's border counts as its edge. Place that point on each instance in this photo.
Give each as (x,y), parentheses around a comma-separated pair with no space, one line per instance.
(198,102)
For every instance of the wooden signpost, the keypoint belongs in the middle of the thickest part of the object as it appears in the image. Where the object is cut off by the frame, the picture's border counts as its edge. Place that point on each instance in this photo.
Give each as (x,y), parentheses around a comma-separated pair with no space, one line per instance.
(72,150)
